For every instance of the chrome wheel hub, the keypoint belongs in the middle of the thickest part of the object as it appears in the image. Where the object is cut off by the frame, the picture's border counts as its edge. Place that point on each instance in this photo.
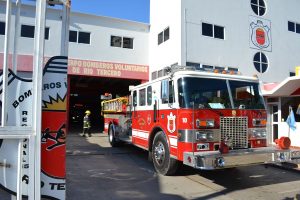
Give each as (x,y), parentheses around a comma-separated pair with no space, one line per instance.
(159,153)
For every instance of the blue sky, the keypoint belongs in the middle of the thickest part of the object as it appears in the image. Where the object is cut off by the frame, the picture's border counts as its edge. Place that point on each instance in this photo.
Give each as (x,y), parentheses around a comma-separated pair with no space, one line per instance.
(135,10)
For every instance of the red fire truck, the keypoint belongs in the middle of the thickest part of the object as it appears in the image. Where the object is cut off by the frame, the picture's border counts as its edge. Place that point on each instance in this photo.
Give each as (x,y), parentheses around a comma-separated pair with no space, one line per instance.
(206,120)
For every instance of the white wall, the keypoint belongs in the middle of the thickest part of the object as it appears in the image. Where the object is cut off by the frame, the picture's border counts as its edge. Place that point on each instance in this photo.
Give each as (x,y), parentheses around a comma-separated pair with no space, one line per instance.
(101,29)
(163,14)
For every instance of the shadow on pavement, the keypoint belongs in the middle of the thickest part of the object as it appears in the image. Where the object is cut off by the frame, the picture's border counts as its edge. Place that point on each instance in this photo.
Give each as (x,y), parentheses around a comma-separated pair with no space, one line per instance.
(97,171)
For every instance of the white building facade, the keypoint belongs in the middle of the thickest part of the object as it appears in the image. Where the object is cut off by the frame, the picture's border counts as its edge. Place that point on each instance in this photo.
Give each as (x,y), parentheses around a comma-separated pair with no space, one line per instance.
(256,37)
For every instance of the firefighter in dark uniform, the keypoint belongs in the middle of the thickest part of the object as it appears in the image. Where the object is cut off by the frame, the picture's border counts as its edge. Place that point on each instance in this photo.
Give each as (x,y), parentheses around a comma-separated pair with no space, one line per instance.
(87,124)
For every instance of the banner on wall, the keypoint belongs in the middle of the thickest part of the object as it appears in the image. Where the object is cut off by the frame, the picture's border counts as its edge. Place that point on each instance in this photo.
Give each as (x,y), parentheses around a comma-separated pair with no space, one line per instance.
(53,133)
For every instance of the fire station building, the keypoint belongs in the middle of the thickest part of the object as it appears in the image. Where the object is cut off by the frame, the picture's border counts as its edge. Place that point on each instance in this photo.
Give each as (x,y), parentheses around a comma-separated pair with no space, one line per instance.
(106,55)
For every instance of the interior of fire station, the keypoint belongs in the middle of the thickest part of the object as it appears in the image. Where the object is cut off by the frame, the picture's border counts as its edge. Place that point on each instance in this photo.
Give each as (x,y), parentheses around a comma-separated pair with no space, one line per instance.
(85,94)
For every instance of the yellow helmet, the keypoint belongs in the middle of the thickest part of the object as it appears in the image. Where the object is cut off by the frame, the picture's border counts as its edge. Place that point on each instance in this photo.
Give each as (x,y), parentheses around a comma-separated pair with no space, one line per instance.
(87,112)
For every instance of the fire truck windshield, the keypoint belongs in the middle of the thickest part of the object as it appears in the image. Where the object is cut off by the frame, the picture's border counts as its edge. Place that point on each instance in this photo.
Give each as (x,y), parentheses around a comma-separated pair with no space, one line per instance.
(207,93)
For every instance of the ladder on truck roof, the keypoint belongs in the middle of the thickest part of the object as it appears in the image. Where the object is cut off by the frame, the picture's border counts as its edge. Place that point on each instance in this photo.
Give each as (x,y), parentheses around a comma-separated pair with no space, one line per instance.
(117,105)
(16,132)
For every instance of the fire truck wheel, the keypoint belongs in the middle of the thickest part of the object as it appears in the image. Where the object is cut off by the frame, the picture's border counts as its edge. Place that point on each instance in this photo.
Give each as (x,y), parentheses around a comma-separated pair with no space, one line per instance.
(162,161)
(111,137)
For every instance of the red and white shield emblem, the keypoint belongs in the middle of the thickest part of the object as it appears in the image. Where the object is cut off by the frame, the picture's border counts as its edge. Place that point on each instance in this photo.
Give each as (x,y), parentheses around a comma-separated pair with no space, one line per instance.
(171,126)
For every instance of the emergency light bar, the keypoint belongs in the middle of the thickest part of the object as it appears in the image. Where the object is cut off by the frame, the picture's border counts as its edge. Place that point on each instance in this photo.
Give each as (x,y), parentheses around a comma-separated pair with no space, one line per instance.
(204,68)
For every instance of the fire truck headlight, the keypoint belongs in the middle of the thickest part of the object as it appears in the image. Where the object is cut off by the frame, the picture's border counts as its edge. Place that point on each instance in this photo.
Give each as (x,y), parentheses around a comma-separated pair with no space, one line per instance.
(258,133)
(210,136)
(200,135)
(210,123)
(204,135)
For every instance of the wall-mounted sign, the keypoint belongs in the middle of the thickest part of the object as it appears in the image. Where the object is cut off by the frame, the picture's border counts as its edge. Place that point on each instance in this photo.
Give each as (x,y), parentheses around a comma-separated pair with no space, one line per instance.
(260,33)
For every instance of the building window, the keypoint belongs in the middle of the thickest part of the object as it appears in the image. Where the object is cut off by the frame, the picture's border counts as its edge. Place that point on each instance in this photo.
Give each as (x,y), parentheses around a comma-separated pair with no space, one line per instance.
(258,7)
(27,31)
(207,29)
(116,41)
(292,74)
(127,43)
(84,37)
(163,36)
(2,28)
(160,38)
(260,62)
(214,31)
(123,42)
(219,32)
(293,27)
(47,33)
(166,34)
(80,37)
(73,36)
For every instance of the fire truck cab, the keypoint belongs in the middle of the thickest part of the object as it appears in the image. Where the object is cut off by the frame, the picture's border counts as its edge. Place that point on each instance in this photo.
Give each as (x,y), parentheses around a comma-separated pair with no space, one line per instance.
(202,119)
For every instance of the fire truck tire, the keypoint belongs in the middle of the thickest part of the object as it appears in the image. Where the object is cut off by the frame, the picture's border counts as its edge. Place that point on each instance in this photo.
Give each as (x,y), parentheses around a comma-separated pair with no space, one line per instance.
(111,137)
(162,161)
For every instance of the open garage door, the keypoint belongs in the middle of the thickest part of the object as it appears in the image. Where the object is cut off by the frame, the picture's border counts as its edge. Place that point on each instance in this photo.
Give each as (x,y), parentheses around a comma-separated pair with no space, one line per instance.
(85,92)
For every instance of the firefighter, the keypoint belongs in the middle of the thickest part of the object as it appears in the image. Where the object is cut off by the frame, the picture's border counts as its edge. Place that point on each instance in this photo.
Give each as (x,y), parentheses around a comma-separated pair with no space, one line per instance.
(87,124)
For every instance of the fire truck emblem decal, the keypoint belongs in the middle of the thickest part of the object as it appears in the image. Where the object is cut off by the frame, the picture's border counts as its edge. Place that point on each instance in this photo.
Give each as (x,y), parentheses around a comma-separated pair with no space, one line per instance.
(171,126)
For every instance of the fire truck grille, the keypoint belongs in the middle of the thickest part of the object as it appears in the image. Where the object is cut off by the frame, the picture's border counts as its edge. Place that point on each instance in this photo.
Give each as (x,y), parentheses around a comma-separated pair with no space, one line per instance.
(235,130)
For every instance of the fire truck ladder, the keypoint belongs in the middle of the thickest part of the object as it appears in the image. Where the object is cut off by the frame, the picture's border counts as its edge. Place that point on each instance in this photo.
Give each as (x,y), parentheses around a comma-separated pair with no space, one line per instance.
(32,133)
(118,105)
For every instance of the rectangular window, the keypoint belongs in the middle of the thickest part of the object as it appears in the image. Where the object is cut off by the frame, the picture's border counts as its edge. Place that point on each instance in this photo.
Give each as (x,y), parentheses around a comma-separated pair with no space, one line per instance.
(154,75)
(219,32)
(207,29)
(2,28)
(84,38)
(47,33)
(73,36)
(292,74)
(142,97)
(192,64)
(134,99)
(214,31)
(27,31)
(160,38)
(171,92)
(291,26)
(116,41)
(149,95)
(127,43)
(160,73)
(297,28)
(166,34)
(165,91)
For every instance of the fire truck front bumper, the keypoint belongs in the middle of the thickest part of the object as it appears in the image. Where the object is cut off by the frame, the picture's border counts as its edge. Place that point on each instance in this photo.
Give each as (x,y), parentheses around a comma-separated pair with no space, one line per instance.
(216,160)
